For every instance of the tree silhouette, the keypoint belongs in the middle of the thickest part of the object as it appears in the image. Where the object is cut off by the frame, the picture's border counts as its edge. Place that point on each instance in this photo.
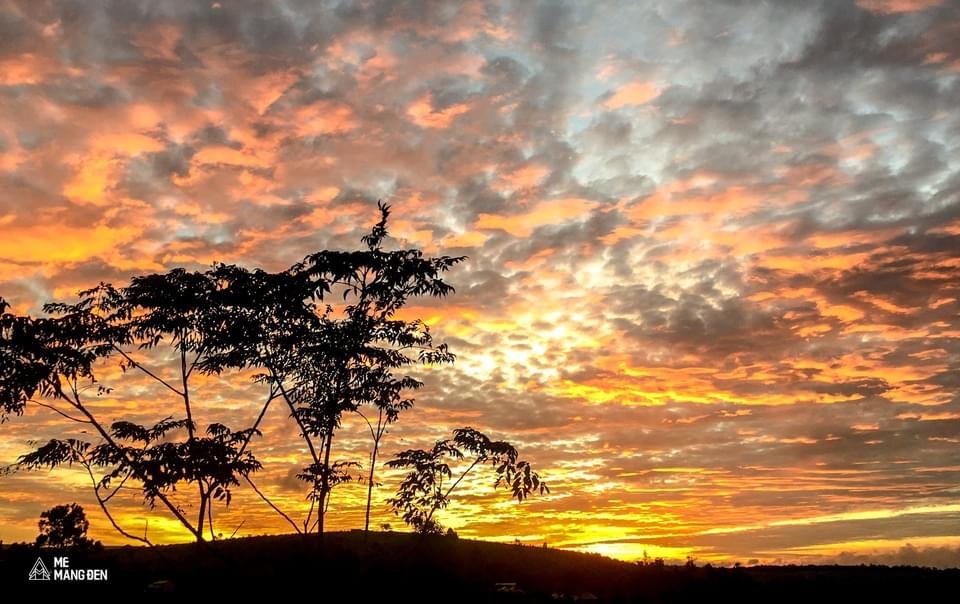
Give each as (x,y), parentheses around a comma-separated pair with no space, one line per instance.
(346,359)
(322,337)
(176,314)
(64,527)
(429,484)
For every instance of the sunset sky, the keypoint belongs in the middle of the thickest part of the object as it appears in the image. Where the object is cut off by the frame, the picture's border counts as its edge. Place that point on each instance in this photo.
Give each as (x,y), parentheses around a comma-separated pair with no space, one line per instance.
(712,290)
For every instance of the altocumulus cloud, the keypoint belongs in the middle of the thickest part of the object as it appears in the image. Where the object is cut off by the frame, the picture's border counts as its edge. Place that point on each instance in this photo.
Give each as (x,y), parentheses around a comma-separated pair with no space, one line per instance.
(713,247)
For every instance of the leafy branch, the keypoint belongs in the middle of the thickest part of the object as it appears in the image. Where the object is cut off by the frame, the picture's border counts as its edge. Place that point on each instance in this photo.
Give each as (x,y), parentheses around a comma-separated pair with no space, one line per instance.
(429,484)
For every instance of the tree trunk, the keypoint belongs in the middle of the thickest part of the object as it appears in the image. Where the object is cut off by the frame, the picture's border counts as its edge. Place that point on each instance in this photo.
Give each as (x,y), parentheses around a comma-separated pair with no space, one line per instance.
(373,465)
(324,484)
(203,512)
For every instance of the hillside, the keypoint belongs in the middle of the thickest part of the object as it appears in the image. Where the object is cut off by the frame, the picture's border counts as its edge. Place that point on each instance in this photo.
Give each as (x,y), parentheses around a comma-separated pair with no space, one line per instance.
(439,569)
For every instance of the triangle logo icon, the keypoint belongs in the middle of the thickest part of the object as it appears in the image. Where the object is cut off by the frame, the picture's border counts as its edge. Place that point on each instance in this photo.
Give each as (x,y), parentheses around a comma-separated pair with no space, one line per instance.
(39,572)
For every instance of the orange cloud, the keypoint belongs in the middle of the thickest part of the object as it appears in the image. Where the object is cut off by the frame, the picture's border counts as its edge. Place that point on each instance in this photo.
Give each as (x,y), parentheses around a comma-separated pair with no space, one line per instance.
(897,6)
(324,118)
(27,68)
(801,263)
(143,116)
(468,239)
(525,177)
(424,115)
(674,199)
(619,234)
(266,89)
(94,175)
(635,93)
(881,303)
(159,42)
(828,241)
(228,155)
(127,143)
(60,243)
(545,213)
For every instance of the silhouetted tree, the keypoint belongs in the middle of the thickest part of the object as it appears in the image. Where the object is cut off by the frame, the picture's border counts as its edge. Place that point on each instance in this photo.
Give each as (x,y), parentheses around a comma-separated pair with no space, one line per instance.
(348,360)
(322,336)
(429,484)
(56,358)
(64,527)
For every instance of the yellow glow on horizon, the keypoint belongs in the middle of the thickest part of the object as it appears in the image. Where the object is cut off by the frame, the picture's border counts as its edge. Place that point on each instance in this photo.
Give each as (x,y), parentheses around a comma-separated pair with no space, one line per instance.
(871,546)
(634,551)
(844,516)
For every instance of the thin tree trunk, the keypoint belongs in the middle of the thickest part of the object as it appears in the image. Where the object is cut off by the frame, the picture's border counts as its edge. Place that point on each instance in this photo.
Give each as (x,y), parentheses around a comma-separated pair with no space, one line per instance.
(446,495)
(191,436)
(373,465)
(103,506)
(271,504)
(139,474)
(210,520)
(324,484)
(203,514)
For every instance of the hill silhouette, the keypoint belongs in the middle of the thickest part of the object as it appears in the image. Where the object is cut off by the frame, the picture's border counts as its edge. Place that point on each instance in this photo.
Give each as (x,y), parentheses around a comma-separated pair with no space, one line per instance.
(429,568)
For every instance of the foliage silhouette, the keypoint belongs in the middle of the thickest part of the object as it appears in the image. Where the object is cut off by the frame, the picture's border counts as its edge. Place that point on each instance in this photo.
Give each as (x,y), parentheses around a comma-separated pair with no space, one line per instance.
(334,349)
(321,336)
(179,312)
(425,490)
(64,527)
(350,361)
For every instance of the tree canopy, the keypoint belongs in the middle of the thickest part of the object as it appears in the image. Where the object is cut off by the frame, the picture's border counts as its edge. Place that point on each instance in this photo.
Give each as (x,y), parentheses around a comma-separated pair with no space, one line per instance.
(64,527)
(321,338)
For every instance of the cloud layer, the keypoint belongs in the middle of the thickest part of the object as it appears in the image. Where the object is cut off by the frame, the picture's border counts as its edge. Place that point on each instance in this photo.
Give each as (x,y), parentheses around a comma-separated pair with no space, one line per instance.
(712,288)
